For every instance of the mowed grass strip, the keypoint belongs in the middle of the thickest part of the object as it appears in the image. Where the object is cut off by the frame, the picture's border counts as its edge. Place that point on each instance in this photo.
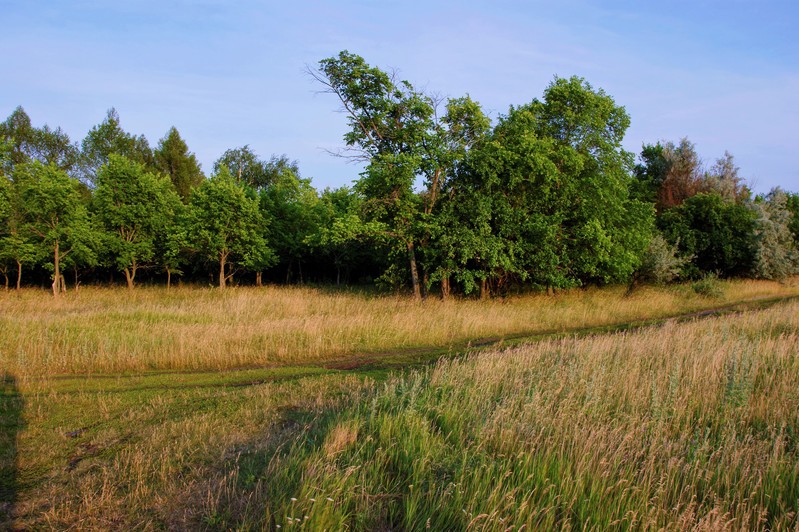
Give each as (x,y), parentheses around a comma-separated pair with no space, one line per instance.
(110,331)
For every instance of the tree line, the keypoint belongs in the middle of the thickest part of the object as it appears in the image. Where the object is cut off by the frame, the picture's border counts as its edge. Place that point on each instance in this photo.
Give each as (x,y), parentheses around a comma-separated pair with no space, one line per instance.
(448,202)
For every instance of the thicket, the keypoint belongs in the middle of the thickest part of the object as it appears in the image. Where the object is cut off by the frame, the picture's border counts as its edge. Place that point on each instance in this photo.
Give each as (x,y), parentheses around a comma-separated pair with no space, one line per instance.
(545,198)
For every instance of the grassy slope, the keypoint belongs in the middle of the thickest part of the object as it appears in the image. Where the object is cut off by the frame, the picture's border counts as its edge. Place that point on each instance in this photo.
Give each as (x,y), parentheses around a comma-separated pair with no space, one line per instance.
(593,431)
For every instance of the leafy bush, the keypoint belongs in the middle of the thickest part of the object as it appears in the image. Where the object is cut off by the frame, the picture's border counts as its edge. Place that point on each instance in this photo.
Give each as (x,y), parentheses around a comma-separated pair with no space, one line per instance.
(708,286)
(660,263)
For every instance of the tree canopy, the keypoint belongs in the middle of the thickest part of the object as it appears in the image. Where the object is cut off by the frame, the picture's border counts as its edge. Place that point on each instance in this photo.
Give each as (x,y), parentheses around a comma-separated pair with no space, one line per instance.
(544,197)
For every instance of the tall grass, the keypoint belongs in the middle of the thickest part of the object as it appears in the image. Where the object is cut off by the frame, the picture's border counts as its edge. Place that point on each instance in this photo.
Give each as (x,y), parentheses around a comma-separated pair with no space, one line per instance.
(111,330)
(684,426)
(690,426)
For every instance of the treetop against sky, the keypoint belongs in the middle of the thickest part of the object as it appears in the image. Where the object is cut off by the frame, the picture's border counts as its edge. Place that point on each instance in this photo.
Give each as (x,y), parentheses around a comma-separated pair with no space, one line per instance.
(723,74)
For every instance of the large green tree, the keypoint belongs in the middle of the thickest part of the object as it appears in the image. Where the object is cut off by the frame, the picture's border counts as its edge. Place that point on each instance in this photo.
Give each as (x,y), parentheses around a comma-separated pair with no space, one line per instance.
(545,199)
(55,216)
(288,205)
(396,130)
(173,158)
(134,208)
(776,249)
(17,247)
(225,225)
(245,165)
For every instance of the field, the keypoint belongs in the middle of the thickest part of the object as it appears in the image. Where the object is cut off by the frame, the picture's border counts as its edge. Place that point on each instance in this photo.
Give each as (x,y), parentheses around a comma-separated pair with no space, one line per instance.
(301,408)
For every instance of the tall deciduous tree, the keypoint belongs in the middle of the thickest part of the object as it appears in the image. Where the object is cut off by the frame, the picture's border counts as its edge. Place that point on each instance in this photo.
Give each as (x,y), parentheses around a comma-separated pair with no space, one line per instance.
(225,225)
(395,129)
(245,166)
(546,197)
(133,207)
(28,143)
(173,158)
(288,204)
(108,137)
(55,216)
(16,245)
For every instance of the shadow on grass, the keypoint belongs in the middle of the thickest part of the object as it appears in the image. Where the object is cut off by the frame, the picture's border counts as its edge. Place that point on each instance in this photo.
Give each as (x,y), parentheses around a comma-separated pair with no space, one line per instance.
(11,423)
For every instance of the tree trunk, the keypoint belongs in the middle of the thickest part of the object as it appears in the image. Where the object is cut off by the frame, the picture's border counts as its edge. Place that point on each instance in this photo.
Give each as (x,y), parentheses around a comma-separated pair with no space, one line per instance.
(445,288)
(5,274)
(129,274)
(484,291)
(425,283)
(417,293)
(19,276)
(222,263)
(259,279)
(168,278)
(56,270)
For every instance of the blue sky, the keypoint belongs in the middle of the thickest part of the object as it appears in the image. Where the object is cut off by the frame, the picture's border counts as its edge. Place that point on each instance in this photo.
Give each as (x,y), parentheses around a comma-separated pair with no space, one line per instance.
(228,73)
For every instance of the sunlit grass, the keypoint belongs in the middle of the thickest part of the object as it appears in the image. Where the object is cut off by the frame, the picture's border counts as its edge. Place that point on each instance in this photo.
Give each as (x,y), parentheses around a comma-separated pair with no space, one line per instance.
(690,426)
(101,330)
(682,426)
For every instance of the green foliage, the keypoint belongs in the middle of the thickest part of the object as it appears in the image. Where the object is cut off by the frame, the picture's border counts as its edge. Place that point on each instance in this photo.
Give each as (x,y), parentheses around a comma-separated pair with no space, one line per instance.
(288,205)
(709,286)
(661,263)
(340,232)
(16,244)
(225,225)
(134,208)
(108,137)
(25,143)
(55,217)
(173,158)
(393,128)
(718,234)
(650,173)
(792,205)
(546,199)
(777,256)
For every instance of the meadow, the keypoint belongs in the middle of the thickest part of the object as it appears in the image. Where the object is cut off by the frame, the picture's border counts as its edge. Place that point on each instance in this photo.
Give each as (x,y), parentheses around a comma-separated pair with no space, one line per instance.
(111,331)
(120,410)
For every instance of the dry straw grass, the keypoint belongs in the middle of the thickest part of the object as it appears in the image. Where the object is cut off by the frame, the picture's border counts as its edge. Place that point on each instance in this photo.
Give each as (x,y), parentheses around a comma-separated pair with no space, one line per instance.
(687,426)
(111,330)
(684,426)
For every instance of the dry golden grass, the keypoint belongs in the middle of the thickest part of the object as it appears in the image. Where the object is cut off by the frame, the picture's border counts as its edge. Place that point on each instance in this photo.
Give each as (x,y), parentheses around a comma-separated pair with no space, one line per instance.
(684,426)
(101,330)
